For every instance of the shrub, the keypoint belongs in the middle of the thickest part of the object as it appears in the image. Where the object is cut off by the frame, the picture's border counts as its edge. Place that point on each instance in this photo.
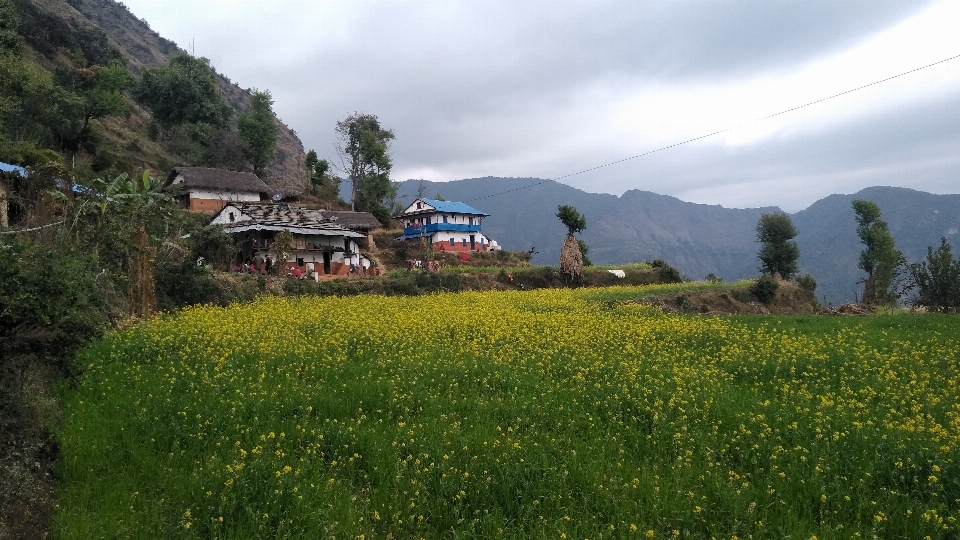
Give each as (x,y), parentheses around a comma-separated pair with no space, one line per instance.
(668,274)
(765,288)
(807,282)
(183,283)
(937,279)
(49,303)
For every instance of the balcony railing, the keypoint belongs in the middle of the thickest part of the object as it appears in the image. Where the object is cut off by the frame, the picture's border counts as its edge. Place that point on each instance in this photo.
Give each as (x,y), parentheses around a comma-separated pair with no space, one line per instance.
(427,230)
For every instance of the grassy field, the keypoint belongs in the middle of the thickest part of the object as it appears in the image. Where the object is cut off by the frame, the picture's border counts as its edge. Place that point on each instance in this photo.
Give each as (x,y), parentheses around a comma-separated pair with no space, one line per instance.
(539,414)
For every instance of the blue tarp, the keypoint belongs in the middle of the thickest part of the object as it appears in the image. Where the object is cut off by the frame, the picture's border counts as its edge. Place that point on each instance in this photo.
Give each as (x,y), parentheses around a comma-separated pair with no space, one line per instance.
(6,167)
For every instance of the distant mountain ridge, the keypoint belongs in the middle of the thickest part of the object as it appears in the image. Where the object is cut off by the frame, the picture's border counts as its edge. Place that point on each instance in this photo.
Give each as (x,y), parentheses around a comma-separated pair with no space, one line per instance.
(698,239)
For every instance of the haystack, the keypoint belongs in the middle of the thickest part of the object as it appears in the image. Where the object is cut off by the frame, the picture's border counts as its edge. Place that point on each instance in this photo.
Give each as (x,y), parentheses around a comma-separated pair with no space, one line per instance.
(571,260)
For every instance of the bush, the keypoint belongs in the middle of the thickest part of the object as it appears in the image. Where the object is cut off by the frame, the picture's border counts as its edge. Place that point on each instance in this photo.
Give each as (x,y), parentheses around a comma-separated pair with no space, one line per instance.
(214,245)
(183,283)
(807,282)
(765,288)
(49,303)
(937,279)
(668,274)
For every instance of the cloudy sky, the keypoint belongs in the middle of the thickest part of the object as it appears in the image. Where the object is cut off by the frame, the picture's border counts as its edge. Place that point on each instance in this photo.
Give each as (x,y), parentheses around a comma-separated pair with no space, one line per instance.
(546,89)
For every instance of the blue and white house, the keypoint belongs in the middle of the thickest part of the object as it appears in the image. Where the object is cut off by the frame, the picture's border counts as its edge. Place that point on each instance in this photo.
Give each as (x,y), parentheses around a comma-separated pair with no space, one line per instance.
(449,226)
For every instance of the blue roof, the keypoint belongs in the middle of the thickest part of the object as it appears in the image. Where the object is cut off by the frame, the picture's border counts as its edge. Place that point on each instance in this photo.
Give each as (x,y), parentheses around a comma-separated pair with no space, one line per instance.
(6,167)
(454,207)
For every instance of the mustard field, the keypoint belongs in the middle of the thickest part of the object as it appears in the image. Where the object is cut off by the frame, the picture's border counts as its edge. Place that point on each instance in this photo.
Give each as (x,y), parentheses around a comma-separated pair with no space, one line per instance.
(541,414)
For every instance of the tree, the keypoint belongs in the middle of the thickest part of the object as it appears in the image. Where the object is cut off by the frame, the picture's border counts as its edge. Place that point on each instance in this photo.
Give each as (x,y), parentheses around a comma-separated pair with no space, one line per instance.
(259,131)
(880,259)
(364,148)
(571,219)
(778,252)
(937,280)
(122,218)
(323,184)
(100,92)
(183,91)
(10,40)
(573,253)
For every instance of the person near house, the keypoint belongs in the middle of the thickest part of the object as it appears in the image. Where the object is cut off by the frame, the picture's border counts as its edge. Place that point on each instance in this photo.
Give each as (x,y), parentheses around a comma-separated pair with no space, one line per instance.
(297,273)
(258,262)
(269,263)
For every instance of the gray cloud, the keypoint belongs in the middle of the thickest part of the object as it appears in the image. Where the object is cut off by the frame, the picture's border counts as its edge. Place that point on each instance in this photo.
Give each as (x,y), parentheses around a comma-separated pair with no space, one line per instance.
(521,89)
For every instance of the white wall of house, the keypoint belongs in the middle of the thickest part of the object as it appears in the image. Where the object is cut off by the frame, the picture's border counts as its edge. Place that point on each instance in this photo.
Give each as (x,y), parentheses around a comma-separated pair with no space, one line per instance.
(456,219)
(242,196)
(223,218)
(458,238)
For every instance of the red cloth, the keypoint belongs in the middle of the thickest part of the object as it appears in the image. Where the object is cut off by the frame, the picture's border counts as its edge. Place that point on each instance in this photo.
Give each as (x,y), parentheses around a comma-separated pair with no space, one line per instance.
(464,256)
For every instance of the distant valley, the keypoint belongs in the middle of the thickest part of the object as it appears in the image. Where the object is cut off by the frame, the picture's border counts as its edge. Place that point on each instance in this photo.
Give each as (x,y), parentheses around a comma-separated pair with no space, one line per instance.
(698,239)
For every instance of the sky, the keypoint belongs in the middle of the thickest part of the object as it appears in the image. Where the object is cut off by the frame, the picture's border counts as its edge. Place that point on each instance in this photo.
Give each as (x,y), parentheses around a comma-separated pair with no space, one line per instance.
(546,89)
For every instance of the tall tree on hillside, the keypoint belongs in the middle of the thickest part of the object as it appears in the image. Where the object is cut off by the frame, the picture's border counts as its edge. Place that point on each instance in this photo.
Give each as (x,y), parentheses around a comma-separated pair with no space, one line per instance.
(259,131)
(880,259)
(778,251)
(323,183)
(364,150)
(183,91)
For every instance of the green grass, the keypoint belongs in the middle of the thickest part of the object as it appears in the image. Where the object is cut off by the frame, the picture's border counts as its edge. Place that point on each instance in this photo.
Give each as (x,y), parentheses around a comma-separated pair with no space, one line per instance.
(609,294)
(538,414)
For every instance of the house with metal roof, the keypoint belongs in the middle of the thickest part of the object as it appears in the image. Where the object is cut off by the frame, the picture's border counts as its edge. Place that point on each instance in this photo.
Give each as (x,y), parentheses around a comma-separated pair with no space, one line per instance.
(208,190)
(319,241)
(448,226)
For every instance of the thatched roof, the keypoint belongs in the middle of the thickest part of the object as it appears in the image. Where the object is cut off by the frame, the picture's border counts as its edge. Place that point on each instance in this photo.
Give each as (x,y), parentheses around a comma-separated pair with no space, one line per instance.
(363,221)
(216,179)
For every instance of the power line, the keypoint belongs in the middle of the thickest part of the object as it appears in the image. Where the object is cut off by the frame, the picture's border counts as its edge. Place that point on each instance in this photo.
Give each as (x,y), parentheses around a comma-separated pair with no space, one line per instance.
(821,100)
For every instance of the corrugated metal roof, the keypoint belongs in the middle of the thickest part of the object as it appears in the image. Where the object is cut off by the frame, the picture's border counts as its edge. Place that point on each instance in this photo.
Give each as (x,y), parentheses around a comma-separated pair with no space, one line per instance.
(454,207)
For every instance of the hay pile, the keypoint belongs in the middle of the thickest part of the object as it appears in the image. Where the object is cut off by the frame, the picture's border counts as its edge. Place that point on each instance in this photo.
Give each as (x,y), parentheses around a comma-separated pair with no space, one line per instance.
(571,260)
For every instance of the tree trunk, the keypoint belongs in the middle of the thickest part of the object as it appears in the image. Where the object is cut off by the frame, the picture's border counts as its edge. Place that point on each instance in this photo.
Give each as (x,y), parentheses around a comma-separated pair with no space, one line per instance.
(571,260)
(142,292)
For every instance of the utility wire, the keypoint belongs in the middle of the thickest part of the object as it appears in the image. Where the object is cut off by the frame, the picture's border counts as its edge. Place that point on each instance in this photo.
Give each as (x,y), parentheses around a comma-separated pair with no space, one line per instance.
(821,100)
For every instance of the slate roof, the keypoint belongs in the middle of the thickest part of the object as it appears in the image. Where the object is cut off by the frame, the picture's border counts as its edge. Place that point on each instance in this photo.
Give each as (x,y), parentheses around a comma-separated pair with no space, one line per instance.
(270,217)
(217,179)
(354,220)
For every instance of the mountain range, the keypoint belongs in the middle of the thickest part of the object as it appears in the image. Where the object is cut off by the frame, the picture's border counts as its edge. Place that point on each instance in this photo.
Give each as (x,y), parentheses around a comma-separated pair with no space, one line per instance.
(698,239)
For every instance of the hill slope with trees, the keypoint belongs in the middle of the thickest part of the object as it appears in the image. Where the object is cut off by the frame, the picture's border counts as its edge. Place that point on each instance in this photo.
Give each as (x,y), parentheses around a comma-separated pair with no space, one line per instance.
(54,93)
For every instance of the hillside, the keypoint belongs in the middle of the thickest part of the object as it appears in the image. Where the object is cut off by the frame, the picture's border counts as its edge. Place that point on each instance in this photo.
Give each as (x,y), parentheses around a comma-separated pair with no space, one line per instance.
(698,239)
(54,29)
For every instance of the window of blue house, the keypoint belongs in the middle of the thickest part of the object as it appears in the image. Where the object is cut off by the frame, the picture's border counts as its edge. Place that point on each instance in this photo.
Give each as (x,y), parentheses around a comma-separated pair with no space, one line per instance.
(464,242)
(428,221)
(444,219)
(471,221)
(452,242)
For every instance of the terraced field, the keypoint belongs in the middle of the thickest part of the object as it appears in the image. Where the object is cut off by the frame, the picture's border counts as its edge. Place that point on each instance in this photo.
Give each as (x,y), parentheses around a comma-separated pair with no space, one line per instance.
(543,414)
